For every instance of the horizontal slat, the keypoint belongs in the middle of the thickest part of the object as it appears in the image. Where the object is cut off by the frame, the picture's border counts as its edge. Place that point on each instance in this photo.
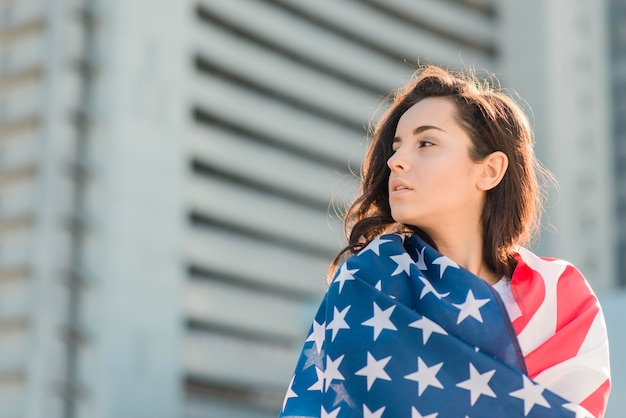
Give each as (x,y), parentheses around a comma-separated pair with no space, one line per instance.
(13,349)
(237,362)
(482,4)
(21,12)
(16,225)
(16,247)
(277,120)
(304,39)
(15,298)
(285,76)
(406,41)
(17,198)
(20,141)
(203,408)
(11,32)
(233,306)
(18,150)
(12,397)
(26,52)
(262,212)
(231,152)
(15,273)
(259,262)
(20,79)
(462,22)
(24,126)
(17,154)
(18,103)
(18,173)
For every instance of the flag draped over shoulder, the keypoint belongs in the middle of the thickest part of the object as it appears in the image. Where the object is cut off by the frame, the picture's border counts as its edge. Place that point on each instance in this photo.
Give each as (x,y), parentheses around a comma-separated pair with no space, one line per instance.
(560,328)
(403,331)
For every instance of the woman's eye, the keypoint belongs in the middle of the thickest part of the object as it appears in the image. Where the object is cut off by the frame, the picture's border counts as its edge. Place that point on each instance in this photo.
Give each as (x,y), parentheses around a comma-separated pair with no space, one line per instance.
(425,143)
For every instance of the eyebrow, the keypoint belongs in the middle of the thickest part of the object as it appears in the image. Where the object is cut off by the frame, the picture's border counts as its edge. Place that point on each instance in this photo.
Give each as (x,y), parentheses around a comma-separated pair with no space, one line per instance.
(421,129)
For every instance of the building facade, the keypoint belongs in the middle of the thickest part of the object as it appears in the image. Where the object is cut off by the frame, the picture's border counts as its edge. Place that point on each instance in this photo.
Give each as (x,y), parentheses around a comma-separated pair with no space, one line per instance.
(618,66)
(171,175)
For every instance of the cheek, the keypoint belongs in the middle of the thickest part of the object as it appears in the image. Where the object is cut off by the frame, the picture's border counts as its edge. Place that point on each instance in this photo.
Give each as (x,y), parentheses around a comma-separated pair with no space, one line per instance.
(438,176)
(450,180)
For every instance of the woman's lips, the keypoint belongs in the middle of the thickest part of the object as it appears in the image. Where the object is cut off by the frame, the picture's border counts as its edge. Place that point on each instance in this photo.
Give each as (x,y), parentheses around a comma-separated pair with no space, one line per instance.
(398,187)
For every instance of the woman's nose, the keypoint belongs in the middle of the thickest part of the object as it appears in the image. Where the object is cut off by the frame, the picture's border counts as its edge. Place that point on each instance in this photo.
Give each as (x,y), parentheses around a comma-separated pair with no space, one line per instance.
(396,162)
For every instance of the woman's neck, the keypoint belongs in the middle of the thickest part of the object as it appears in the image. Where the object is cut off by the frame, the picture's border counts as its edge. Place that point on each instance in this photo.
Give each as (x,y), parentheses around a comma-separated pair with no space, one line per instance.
(466,249)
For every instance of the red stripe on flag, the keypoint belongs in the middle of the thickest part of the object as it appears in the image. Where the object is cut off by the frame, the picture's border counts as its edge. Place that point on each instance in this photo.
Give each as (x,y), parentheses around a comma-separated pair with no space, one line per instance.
(562,346)
(573,298)
(576,310)
(596,402)
(529,291)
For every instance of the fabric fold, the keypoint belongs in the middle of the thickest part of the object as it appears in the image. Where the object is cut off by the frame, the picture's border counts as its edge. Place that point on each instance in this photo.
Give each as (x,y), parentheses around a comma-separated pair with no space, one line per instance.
(403,331)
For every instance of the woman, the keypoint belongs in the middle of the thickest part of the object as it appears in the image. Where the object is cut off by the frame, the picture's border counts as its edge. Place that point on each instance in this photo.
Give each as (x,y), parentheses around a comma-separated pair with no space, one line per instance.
(440,312)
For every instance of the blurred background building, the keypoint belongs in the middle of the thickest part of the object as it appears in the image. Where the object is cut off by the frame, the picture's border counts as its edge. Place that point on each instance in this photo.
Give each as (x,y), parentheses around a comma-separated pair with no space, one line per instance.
(617,24)
(169,173)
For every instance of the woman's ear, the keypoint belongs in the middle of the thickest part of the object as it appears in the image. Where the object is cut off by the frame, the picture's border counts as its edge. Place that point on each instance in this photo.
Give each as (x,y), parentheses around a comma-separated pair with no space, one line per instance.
(493,168)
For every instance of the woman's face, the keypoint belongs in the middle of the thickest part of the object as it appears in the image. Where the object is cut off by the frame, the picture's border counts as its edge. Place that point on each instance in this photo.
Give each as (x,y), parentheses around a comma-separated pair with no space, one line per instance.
(433,181)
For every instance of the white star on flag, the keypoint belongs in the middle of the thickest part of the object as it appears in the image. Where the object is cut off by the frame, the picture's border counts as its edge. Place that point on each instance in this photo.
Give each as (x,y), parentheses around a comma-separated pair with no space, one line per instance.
(416,414)
(344,275)
(317,335)
(313,358)
(421,263)
(425,376)
(381,320)
(290,393)
(378,285)
(342,395)
(404,262)
(375,369)
(375,414)
(332,371)
(579,410)
(339,321)
(319,385)
(444,262)
(332,414)
(374,246)
(531,394)
(428,327)
(477,384)
(471,307)
(428,288)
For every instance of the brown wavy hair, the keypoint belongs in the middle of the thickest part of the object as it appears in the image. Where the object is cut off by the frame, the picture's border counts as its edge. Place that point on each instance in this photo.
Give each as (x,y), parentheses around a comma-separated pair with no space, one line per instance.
(494,122)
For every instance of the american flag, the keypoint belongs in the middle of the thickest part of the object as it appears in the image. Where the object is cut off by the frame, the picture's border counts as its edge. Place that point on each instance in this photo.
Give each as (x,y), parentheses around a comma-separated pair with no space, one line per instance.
(403,331)
(561,329)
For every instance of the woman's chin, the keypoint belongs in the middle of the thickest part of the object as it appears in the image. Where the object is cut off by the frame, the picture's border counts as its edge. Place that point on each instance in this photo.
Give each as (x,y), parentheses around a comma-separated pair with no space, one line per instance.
(403,215)
(408,221)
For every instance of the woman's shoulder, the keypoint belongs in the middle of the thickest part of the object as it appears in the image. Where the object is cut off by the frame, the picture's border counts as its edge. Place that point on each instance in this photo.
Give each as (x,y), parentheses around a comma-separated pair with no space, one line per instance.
(544,286)
(547,270)
(561,329)
(550,294)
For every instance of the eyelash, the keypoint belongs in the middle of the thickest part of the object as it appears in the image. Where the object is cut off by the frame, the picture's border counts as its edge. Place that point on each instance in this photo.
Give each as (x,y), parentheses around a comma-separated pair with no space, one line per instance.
(422,143)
